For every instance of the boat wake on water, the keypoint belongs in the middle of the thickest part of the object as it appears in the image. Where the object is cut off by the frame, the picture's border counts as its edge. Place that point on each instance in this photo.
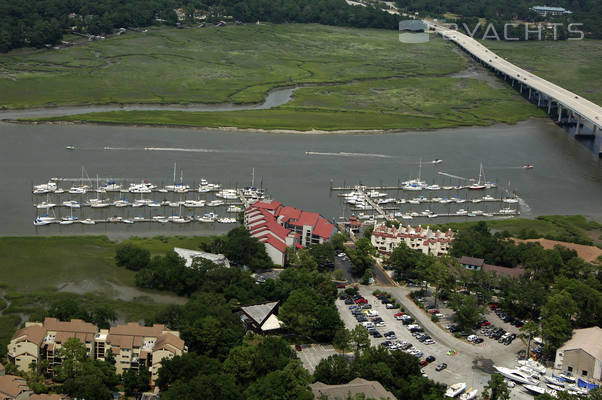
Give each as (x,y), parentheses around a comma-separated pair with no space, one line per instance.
(165,149)
(344,154)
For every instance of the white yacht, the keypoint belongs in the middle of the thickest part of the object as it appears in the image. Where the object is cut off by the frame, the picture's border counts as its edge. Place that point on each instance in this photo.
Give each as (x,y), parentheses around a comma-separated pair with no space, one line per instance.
(138,218)
(121,203)
(516,375)
(226,220)
(508,211)
(534,389)
(208,217)
(406,216)
(71,204)
(228,194)
(45,188)
(374,194)
(45,204)
(44,220)
(97,203)
(488,197)
(111,186)
(445,201)
(78,189)
(234,209)
(470,394)
(461,212)
(154,204)
(215,203)
(194,203)
(127,221)
(433,187)
(159,218)
(87,221)
(455,389)
(114,219)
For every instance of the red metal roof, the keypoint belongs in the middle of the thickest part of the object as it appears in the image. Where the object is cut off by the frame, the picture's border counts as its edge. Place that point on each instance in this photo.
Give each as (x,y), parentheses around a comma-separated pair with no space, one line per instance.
(323,228)
(275,243)
(272,205)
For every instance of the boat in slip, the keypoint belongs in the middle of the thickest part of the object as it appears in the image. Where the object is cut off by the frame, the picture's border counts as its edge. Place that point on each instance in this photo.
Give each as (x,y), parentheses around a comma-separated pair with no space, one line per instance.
(45,204)
(97,203)
(208,217)
(470,394)
(160,218)
(78,189)
(177,219)
(44,220)
(138,218)
(87,221)
(406,216)
(71,204)
(215,203)
(111,186)
(433,187)
(234,209)
(114,219)
(455,390)
(154,204)
(228,194)
(121,203)
(461,212)
(127,221)
(226,220)
(534,389)
(45,188)
(479,185)
(194,203)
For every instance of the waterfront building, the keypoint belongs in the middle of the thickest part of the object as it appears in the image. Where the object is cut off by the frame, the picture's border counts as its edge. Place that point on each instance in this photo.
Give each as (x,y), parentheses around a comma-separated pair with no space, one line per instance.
(479,264)
(134,346)
(278,226)
(545,11)
(582,354)
(14,388)
(385,239)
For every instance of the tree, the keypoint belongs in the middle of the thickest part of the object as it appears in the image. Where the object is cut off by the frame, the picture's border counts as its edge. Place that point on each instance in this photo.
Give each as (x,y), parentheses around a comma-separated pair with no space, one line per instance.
(342,339)
(359,337)
(529,331)
(338,241)
(135,381)
(333,370)
(496,388)
(132,257)
(287,384)
(440,276)
(467,311)
(103,315)
(73,354)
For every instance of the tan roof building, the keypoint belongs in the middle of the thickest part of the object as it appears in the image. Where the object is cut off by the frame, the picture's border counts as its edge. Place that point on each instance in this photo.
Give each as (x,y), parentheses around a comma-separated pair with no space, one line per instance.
(134,346)
(14,388)
(49,397)
(582,354)
(372,389)
(261,317)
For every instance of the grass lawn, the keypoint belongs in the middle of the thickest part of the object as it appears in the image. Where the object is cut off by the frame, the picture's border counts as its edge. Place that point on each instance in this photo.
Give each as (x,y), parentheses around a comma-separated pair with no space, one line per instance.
(572,64)
(566,228)
(213,65)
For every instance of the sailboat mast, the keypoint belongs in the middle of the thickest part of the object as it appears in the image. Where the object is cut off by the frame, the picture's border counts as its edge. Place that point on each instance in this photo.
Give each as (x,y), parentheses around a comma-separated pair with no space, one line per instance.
(174,173)
(253,178)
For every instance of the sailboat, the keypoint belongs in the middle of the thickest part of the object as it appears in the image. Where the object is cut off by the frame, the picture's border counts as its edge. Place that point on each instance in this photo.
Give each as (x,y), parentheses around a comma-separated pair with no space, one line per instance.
(478,185)
(415,184)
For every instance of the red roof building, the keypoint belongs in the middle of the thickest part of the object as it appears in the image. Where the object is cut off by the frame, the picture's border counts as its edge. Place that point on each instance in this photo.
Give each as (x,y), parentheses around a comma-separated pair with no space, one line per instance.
(279,226)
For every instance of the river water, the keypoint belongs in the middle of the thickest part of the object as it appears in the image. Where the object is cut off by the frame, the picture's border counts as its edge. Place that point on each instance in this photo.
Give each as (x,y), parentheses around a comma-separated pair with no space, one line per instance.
(567,178)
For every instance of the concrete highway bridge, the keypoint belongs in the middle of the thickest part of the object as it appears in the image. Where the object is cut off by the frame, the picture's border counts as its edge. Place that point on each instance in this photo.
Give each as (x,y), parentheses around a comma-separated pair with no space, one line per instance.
(566,107)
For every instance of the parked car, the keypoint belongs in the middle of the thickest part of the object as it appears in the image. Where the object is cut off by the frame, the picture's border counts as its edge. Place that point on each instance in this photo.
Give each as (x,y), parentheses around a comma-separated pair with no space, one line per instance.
(478,340)
(361,301)
(430,359)
(392,306)
(341,286)
(423,363)
(349,301)
(441,367)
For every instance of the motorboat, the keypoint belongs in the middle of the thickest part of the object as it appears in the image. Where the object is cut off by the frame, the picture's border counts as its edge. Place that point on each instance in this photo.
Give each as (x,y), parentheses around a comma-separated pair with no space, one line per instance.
(234,209)
(461,212)
(436,199)
(558,388)
(121,203)
(458,200)
(154,204)
(455,389)
(534,365)
(228,194)
(59,191)
(160,218)
(414,201)
(215,203)
(554,381)
(71,204)
(374,194)
(488,197)
(111,186)
(127,221)
(208,217)
(45,204)
(70,147)
(44,220)
(406,216)
(87,221)
(476,200)
(114,219)
(413,187)
(552,392)
(96,203)
(433,187)
(194,203)
(508,211)
(534,389)
(445,201)
(78,189)
(226,220)
(436,161)
(138,218)
(178,188)
(144,187)
(470,394)
(510,200)
(515,375)
(527,166)
(45,188)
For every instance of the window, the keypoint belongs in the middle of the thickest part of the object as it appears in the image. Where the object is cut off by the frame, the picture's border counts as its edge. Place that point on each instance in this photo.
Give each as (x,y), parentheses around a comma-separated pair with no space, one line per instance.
(584,373)
(569,368)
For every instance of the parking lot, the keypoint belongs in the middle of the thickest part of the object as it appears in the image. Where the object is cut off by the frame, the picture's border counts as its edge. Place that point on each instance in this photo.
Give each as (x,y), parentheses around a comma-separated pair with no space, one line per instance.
(311,355)
(469,363)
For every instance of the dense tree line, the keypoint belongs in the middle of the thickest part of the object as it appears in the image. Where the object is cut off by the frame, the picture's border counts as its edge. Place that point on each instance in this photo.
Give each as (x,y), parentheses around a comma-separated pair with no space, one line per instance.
(37,23)
(397,371)
(587,12)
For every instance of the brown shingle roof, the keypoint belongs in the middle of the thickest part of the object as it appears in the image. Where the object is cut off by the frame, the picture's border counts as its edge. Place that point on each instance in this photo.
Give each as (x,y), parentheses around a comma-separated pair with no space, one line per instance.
(32,333)
(372,389)
(75,325)
(49,397)
(13,385)
(134,329)
(166,340)
(471,261)
(514,272)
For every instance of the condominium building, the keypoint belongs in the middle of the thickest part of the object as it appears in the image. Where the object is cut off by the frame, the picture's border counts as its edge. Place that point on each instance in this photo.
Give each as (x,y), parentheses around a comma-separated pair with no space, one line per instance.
(386,239)
(278,226)
(133,346)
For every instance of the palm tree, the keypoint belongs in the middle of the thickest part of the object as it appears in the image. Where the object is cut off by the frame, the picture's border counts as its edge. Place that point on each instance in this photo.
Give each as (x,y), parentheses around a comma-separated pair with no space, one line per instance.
(529,331)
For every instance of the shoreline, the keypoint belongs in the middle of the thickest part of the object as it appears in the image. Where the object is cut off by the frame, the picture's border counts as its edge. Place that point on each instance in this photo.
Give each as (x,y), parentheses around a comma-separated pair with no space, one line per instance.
(261,130)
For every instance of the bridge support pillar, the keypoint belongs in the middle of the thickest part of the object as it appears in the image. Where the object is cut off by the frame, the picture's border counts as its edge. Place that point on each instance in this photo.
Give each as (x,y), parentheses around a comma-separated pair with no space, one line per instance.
(578,128)
(538,99)
(549,105)
(529,93)
(559,112)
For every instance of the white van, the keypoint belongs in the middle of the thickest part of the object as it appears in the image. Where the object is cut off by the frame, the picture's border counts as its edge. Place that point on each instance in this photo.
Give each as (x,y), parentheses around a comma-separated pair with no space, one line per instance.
(367,325)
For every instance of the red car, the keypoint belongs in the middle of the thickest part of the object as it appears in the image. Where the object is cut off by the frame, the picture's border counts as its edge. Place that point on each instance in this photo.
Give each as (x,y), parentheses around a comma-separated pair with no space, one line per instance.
(423,363)
(493,306)
(341,286)
(486,323)
(298,347)
(399,314)
(361,301)
(434,311)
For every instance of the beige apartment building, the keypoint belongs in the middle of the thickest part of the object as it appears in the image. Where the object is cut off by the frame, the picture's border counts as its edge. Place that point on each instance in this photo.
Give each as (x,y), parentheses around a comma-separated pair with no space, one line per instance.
(133,346)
